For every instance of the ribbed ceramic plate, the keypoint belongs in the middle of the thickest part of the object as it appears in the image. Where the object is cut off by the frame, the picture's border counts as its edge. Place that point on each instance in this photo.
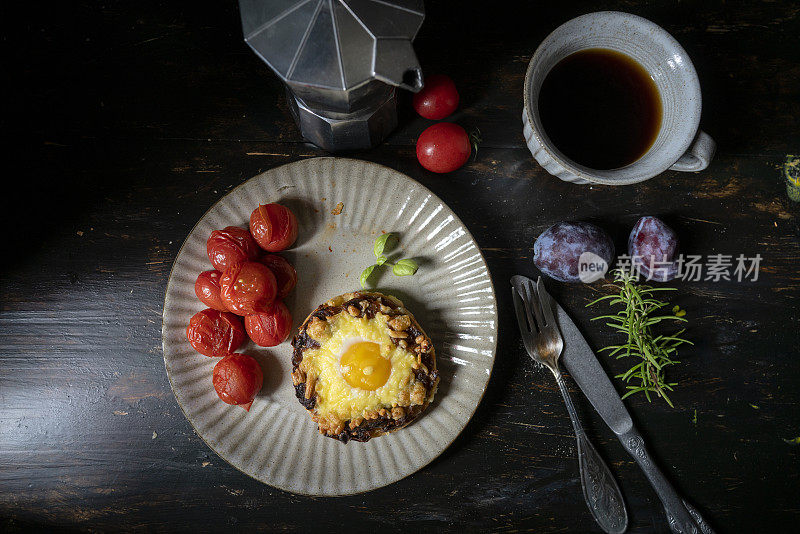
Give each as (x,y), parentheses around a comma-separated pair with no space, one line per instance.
(451,296)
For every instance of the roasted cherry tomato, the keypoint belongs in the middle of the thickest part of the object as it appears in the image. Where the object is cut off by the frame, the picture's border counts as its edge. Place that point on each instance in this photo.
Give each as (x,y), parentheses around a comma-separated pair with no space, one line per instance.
(247,288)
(274,227)
(269,328)
(237,379)
(284,273)
(443,147)
(438,98)
(207,289)
(233,244)
(214,333)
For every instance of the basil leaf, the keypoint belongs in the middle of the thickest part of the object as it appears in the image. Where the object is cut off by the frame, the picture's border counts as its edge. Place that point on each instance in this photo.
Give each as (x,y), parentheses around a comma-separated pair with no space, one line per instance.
(405,267)
(381,260)
(384,243)
(365,275)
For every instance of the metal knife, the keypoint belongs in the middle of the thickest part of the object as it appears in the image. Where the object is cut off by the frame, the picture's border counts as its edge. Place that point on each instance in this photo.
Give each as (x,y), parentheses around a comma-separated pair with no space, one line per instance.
(582,364)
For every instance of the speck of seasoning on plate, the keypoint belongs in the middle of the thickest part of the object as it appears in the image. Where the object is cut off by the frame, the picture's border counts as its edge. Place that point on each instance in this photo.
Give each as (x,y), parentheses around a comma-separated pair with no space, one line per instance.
(338,209)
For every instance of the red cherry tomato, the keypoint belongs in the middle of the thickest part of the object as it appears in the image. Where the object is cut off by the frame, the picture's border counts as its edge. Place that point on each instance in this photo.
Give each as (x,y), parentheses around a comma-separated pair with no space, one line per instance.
(247,288)
(274,227)
(233,244)
(270,328)
(207,289)
(437,99)
(284,273)
(214,333)
(237,379)
(443,147)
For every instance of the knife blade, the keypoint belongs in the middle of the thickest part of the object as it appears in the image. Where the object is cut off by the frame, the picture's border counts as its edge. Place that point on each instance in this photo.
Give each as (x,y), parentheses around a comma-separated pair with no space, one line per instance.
(582,364)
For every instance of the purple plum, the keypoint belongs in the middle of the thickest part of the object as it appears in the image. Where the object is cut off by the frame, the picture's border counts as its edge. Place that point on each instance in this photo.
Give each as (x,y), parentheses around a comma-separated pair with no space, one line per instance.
(557,251)
(653,247)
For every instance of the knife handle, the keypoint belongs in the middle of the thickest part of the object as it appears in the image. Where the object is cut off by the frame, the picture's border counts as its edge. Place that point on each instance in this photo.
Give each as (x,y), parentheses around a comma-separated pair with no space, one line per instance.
(681,516)
(600,490)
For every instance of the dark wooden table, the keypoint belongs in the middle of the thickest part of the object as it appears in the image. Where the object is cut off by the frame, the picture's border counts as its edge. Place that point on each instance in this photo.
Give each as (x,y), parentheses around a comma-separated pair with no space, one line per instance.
(129,119)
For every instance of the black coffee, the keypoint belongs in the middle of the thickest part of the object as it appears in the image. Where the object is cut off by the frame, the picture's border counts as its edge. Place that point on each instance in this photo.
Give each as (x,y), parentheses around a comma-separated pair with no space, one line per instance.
(600,108)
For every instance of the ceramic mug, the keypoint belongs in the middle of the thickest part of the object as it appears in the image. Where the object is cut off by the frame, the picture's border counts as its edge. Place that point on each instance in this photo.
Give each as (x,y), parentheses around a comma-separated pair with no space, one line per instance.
(679,145)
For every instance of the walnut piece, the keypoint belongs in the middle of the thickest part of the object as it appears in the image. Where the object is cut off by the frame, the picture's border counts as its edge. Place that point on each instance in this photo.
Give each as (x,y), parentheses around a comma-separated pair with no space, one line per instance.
(400,323)
(331,424)
(404,398)
(317,328)
(339,426)
(418,394)
(298,377)
(355,422)
(311,381)
(424,345)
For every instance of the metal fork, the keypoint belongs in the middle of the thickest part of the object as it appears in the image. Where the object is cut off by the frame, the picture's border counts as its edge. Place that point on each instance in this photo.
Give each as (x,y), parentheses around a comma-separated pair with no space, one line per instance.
(544,344)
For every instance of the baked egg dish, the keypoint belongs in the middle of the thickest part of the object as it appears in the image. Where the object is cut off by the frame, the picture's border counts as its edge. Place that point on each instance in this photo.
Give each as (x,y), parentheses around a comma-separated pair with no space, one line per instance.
(362,366)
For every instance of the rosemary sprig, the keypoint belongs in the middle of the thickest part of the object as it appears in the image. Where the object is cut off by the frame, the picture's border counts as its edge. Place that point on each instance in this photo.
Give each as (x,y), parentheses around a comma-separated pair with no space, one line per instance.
(638,314)
(475,140)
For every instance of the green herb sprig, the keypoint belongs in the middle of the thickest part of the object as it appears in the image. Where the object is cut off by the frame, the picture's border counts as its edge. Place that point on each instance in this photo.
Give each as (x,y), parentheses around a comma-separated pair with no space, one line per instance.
(475,140)
(638,315)
(383,245)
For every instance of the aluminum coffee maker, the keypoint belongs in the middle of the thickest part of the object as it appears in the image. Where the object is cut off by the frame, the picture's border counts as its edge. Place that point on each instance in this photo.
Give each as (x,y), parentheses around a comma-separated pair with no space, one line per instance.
(341,61)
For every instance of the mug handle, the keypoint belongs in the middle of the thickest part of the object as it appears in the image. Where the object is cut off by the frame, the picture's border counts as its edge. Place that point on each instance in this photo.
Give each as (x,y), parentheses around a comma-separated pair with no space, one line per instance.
(698,156)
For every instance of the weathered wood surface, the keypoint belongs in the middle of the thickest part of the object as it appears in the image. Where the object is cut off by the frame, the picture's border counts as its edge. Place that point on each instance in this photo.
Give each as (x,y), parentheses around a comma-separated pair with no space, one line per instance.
(130,120)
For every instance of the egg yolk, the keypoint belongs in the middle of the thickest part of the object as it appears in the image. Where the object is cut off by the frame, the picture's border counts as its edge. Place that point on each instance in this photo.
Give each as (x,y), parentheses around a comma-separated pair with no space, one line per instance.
(363,366)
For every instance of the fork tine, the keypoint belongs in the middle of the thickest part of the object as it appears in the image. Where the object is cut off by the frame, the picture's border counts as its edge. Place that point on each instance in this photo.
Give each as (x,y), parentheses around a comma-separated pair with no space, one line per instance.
(546,302)
(533,300)
(519,308)
(527,298)
(520,284)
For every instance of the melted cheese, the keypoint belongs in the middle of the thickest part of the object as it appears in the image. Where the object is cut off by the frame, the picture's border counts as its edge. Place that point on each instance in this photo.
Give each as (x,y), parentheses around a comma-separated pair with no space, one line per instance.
(334,395)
